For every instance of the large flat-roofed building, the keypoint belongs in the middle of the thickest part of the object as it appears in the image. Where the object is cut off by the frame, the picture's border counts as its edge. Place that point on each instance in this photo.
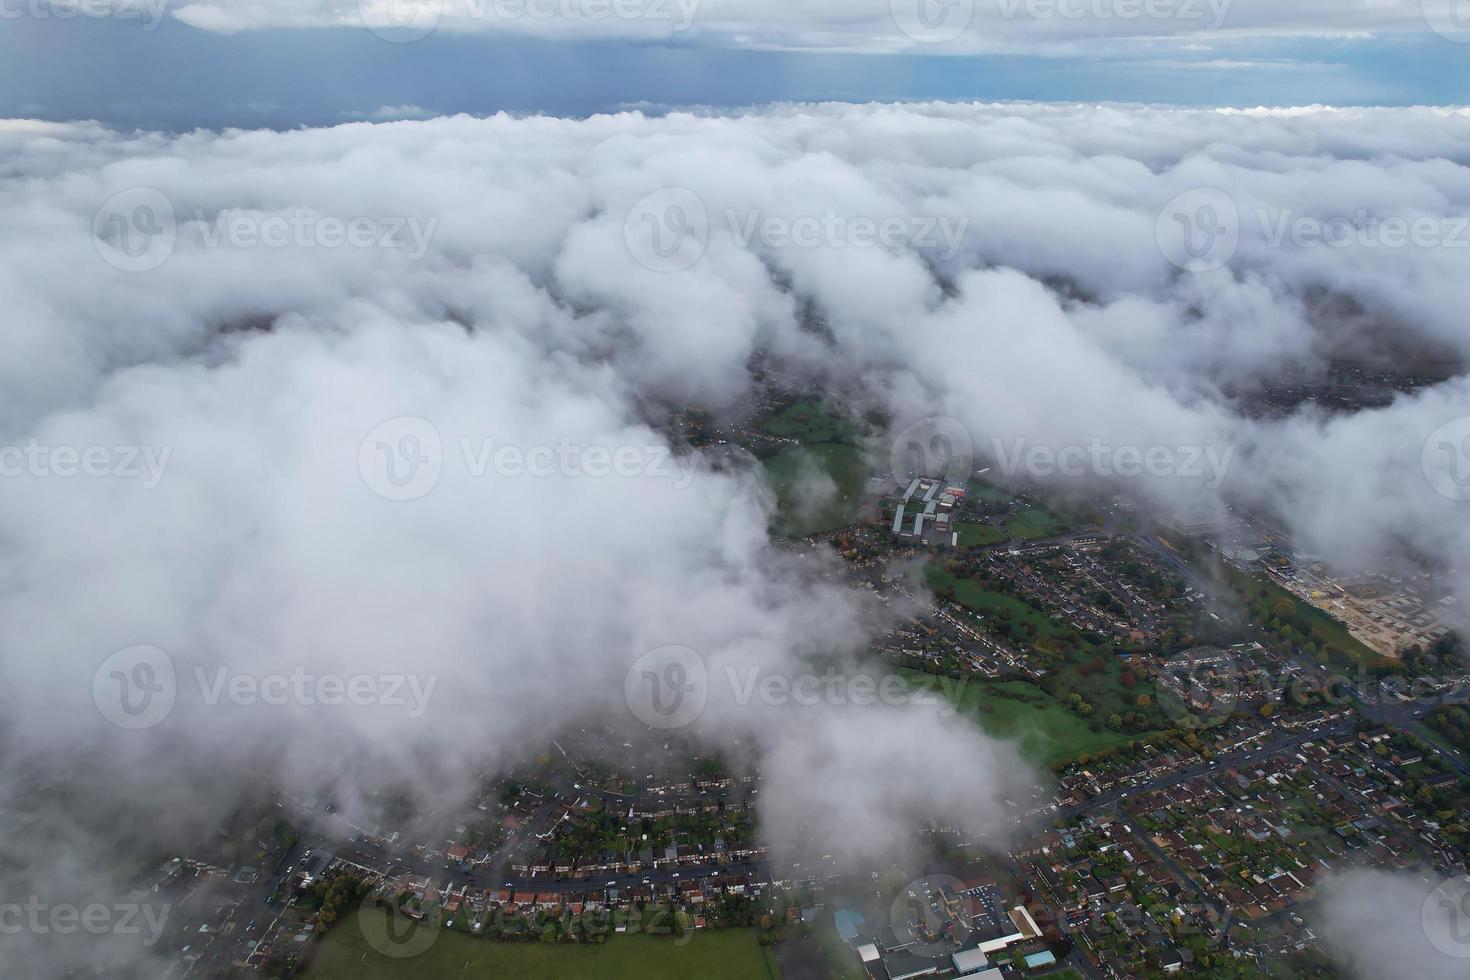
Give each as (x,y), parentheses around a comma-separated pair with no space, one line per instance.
(849,924)
(1196,526)
(968,961)
(932,520)
(903,965)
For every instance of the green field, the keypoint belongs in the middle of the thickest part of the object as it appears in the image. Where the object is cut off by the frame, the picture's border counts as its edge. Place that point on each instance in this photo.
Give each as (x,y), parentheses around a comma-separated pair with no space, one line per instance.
(810,421)
(1021,712)
(842,962)
(972,534)
(793,469)
(1305,617)
(988,492)
(720,954)
(1034,523)
(975,597)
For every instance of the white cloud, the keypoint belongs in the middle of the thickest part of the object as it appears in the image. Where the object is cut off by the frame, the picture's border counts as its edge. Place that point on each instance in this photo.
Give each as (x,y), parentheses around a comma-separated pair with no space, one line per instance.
(1387,926)
(1062,27)
(493,286)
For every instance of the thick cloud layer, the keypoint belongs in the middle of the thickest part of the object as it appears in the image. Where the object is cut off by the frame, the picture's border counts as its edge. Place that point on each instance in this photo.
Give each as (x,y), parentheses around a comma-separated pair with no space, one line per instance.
(1385,926)
(319,342)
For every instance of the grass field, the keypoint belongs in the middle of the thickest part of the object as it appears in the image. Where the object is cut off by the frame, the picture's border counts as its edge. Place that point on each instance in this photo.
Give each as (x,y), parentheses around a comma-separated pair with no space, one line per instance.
(842,962)
(988,492)
(810,421)
(1045,732)
(977,598)
(1034,523)
(720,954)
(972,534)
(793,469)
(1313,621)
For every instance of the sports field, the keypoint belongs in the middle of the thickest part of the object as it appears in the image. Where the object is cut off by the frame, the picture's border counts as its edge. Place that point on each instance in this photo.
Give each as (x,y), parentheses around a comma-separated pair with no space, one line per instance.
(717,954)
(1034,523)
(972,534)
(810,421)
(795,473)
(1021,712)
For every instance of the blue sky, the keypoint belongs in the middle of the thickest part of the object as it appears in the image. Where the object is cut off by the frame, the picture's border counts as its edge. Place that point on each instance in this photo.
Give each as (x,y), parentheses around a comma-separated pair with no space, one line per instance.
(178,76)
